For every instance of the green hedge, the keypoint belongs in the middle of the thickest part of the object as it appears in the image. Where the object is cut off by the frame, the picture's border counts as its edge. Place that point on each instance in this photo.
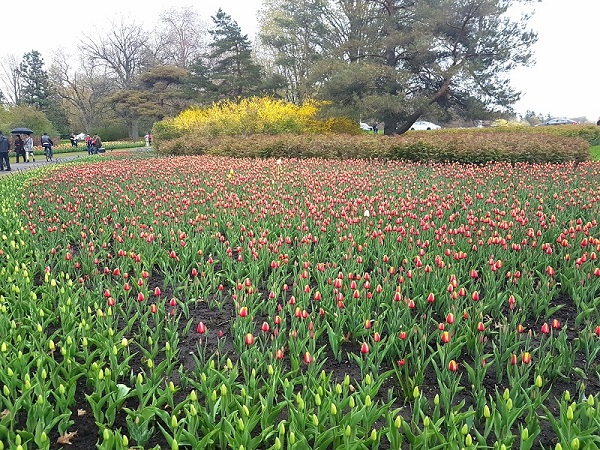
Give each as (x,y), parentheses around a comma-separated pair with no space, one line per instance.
(469,146)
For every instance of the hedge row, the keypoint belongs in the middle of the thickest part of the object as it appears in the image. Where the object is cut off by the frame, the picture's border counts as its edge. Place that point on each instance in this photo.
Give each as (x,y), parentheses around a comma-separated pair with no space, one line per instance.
(467,146)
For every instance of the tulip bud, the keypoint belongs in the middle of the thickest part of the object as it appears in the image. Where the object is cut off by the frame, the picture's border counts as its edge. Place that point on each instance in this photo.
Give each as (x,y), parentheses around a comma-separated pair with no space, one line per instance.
(315,420)
(348,431)
(524,434)
(468,440)
(398,422)
(416,392)
(426,421)
(575,444)
(464,430)
(278,445)
(538,381)
(374,435)
(368,401)
(174,445)
(333,409)
(590,400)
(569,413)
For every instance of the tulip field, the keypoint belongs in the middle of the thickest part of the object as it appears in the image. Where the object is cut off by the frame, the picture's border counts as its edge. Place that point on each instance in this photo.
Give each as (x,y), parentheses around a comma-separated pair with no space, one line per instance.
(221,303)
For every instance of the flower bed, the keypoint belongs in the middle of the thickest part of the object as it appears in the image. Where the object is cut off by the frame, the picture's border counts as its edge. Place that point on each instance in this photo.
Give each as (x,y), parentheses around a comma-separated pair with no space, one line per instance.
(212,302)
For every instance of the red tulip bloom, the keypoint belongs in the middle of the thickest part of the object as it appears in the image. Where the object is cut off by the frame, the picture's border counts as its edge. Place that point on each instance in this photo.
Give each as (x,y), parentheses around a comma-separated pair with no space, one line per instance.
(157,291)
(279,354)
(376,337)
(317,296)
(556,324)
(308,358)
(265,327)
(249,339)
(452,366)
(364,348)
(172,302)
(401,362)
(545,328)
(110,301)
(520,329)
(153,308)
(194,272)
(480,327)
(243,311)
(513,359)
(201,328)
(445,337)
(431,298)
(450,318)
(402,335)
(597,331)
(475,296)
(106,293)
(140,297)
(526,358)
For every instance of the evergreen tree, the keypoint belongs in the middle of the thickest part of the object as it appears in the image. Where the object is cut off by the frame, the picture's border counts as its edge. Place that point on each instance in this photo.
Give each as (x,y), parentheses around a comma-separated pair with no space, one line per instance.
(35,81)
(233,73)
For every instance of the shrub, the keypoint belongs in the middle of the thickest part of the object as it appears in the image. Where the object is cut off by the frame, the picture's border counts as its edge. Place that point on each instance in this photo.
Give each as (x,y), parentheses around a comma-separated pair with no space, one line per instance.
(466,147)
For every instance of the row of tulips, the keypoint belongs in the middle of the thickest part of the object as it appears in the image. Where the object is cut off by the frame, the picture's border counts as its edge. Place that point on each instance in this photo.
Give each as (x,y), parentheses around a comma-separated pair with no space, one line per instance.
(300,304)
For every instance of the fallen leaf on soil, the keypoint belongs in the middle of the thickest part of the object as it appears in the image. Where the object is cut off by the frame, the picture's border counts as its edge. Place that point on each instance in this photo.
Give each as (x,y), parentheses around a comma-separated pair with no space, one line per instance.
(66,438)
(81,412)
(4,414)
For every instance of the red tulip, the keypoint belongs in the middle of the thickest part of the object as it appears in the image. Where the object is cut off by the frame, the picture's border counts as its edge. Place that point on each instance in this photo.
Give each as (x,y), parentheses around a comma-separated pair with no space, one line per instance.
(402,335)
(279,354)
(308,358)
(597,331)
(445,337)
(526,358)
(194,272)
(243,311)
(265,327)
(401,362)
(475,296)
(452,366)
(545,328)
(556,324)
(172,302)
(480,327)
(431,298)
(364,348)
(376,337)
(140,297)
(368,324)
(153,308)
(317,296)
(110,301)
(450,318)
(201,328)
(513,359)
(106,293)
(157,291)
(249,339)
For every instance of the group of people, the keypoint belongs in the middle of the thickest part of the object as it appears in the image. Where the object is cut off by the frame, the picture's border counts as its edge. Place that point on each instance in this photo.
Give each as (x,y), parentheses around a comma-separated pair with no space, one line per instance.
(23,149)
(93,144)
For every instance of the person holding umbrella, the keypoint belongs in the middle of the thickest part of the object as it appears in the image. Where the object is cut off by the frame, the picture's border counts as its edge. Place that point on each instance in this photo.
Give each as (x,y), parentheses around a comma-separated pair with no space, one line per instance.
(19,147)
(4,147)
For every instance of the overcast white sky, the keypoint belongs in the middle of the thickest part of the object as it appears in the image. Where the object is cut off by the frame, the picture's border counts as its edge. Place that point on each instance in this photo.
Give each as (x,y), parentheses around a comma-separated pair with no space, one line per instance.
(565,81)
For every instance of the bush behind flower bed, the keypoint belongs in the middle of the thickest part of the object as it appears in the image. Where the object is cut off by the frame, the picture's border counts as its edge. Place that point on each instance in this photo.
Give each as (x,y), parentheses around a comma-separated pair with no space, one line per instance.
(466,146)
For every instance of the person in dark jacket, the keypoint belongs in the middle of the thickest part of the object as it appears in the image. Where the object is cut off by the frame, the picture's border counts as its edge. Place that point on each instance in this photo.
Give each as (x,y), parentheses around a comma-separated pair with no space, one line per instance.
(4,148)
(19,147)
(47,144)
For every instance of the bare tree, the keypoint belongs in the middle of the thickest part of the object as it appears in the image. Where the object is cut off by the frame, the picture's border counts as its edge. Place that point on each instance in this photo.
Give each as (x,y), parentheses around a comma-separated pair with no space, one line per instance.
(82,91)
(122,51)
(11,79)
(181,38)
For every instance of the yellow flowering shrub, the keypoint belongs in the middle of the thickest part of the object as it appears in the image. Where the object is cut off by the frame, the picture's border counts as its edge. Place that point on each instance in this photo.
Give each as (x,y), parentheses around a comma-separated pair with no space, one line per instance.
(256,115)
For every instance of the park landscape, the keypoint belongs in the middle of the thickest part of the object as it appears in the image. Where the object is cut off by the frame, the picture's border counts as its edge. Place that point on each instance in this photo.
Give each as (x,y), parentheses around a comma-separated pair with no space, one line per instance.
(211,301)
(269,276)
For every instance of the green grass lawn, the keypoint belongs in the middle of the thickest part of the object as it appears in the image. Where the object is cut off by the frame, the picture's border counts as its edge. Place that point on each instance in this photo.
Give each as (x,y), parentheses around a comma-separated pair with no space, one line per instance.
(595,151)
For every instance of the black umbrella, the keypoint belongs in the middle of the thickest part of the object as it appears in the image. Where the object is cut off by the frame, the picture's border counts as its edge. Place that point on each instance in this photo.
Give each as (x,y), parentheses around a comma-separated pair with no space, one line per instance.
(21,130)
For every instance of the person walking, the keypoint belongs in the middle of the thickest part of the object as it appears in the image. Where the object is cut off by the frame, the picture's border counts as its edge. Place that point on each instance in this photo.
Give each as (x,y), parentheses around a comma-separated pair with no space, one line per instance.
(4,148)
(96,144)
(47,144)
(29,148)
(19,148)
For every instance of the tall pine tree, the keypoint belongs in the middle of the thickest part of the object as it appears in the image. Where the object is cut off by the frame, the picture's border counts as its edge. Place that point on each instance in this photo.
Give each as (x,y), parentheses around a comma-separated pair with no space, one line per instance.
(35,81)
(233,72)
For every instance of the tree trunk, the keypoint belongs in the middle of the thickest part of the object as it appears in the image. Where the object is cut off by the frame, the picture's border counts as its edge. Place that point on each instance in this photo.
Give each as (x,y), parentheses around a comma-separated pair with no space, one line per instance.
(414,116)
(134,131)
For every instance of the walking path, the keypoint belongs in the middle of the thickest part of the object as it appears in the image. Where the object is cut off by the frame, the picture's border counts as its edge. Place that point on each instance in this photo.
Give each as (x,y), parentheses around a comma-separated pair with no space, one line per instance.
(40,161)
